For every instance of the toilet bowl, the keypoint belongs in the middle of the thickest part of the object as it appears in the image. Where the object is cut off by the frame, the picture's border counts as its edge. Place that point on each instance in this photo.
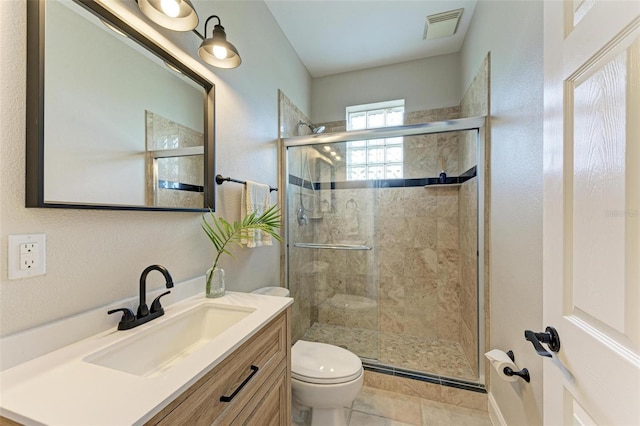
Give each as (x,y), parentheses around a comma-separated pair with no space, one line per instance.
(324,379)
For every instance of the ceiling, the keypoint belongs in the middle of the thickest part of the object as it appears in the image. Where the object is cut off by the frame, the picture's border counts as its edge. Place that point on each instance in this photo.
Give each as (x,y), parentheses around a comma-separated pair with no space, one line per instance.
(338,36)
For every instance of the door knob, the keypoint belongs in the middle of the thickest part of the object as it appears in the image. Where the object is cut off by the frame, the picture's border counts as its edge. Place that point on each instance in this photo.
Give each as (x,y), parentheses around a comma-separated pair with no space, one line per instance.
(550,337)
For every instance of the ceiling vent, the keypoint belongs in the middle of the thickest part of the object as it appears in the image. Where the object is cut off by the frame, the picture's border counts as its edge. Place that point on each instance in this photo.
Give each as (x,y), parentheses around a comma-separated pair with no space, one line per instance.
(442,24)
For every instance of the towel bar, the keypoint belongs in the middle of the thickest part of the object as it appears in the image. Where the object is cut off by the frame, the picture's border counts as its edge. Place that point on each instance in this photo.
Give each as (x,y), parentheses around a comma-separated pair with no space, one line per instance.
(332,246)
(221,179)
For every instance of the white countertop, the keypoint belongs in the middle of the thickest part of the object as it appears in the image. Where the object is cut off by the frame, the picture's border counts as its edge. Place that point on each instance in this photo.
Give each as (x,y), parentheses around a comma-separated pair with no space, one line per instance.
(59,388)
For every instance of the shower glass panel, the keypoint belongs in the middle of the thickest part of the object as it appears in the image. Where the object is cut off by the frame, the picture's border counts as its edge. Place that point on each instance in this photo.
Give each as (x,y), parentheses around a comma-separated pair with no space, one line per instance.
(384,261)
(332,260)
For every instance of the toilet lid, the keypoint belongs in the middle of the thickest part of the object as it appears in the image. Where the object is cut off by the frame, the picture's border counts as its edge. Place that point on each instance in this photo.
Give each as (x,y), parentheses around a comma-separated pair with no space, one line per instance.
(315,362)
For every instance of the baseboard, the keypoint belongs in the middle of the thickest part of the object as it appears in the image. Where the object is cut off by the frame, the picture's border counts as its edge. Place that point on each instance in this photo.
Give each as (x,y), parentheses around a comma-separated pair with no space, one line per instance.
(494,412)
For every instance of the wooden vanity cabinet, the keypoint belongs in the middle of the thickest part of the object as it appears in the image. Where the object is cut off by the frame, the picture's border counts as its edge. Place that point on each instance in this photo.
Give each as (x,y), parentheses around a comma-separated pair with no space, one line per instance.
(256,377)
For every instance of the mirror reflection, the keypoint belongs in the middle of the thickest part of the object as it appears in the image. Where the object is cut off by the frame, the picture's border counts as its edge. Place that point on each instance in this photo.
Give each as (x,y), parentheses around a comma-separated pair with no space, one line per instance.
(121,128)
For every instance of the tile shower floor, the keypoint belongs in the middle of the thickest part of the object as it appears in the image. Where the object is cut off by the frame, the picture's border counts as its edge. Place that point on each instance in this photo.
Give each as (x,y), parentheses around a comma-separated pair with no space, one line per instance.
(373,407)
(440,357)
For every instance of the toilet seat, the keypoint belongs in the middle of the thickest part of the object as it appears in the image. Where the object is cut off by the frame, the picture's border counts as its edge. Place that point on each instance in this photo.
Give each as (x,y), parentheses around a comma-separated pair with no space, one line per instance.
(320,363)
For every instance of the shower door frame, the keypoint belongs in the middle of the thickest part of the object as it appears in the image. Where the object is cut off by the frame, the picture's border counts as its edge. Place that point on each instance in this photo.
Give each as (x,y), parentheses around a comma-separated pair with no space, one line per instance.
(478,124)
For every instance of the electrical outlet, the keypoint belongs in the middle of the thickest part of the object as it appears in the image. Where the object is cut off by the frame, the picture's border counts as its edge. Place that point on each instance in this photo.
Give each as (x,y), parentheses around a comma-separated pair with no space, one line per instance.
(27,255)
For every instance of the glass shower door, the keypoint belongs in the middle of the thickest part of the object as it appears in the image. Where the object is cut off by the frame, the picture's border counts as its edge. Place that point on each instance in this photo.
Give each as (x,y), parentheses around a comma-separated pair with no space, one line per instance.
(388,261)
(332,268)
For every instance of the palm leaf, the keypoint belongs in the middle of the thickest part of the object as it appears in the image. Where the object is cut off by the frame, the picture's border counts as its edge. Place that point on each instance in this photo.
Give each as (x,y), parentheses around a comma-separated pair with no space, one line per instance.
(221,232)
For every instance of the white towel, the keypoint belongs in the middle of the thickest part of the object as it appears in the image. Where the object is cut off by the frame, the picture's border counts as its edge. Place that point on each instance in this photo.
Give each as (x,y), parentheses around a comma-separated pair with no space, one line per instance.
(255,198)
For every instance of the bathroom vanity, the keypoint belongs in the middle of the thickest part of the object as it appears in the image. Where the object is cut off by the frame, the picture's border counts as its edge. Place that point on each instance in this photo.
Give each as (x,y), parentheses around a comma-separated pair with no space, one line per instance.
(250,386)
(206,361)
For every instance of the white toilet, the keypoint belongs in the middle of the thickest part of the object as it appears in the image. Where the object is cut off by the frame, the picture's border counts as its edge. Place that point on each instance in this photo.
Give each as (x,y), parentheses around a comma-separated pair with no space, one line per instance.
(324,378)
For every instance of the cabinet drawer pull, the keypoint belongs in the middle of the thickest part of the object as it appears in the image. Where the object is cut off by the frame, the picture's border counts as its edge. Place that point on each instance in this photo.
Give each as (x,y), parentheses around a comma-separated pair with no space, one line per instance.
(223,398)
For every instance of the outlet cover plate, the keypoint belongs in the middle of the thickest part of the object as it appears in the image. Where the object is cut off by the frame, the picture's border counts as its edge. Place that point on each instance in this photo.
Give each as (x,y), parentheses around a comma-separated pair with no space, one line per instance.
(14,256)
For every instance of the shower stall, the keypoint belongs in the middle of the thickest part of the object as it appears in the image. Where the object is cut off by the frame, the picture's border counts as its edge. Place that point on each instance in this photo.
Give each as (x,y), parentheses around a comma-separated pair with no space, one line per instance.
(385,245)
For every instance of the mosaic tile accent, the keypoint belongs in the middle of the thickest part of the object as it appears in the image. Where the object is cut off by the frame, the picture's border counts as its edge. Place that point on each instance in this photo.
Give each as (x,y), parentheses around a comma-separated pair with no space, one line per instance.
(437,356)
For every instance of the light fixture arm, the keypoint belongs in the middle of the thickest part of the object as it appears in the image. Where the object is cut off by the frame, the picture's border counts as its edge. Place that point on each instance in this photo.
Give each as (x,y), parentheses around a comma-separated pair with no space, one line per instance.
(207,21)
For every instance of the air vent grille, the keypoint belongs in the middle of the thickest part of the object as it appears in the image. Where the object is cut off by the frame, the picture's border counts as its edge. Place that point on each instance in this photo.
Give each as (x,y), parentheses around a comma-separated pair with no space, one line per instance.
(442,24)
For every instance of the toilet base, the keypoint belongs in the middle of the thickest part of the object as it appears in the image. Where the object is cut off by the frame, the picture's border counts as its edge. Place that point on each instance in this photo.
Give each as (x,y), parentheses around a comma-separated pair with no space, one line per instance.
(328,416)
(306,416)
(299,414)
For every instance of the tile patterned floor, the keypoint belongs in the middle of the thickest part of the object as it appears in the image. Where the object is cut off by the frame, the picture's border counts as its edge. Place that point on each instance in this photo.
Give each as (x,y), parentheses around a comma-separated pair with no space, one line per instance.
(441,357)
(375,407)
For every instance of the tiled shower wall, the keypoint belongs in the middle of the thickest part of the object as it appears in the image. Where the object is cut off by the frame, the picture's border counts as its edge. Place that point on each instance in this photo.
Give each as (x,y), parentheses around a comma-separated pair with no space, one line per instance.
(413,269)
(468,288)
(474,103)
(300,261)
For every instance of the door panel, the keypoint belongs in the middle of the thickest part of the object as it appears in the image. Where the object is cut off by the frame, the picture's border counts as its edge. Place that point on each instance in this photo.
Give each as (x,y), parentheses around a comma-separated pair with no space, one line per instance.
(591,211)
(598,116)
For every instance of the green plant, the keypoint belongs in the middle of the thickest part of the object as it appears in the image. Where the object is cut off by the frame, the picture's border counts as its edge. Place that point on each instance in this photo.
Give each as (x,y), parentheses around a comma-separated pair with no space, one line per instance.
(222,233)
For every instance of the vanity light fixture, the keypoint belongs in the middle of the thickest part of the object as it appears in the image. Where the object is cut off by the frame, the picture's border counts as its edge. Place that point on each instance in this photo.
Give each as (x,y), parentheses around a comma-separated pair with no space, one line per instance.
(216,50)
(176,15)
(180,15)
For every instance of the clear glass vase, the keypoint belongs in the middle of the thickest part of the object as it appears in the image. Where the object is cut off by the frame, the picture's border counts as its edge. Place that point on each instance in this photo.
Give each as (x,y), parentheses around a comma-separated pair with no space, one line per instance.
(215,283)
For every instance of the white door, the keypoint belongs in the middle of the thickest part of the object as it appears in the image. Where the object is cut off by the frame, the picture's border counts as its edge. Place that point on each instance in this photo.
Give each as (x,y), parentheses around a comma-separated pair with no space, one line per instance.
(592,211)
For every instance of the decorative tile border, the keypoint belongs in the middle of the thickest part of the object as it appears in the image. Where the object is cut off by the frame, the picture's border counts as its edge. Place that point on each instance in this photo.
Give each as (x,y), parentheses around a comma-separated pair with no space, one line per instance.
(424,377)
(167,184)
(382,183)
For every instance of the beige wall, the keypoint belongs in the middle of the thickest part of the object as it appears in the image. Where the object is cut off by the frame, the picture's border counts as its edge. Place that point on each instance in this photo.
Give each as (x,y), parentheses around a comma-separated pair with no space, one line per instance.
(516,189)
(95,257)
(425,84)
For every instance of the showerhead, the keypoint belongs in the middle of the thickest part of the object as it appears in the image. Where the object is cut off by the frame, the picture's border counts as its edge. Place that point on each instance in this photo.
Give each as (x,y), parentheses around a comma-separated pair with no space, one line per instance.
(316,130)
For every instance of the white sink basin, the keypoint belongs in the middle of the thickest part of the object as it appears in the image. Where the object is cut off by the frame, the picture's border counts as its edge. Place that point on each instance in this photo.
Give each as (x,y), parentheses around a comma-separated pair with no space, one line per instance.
(162,346)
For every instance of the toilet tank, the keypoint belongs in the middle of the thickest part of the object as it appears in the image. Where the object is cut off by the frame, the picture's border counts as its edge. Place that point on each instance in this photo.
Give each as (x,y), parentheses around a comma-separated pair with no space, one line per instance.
(272,291)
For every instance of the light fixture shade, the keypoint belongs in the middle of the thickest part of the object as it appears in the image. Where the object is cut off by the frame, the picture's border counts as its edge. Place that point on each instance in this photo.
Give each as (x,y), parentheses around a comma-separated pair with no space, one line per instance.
(219,40)
(185,17)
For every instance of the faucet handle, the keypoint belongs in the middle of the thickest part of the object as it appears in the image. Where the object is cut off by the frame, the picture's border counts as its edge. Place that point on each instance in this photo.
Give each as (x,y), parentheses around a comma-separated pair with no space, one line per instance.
(127,315)
(155,305)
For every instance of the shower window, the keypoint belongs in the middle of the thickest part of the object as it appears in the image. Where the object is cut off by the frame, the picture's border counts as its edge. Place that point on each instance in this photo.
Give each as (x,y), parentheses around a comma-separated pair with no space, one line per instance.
(375,158)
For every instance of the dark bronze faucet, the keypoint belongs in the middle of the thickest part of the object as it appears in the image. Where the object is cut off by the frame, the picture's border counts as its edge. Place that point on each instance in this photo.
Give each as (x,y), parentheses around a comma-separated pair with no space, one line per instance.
(129,320)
